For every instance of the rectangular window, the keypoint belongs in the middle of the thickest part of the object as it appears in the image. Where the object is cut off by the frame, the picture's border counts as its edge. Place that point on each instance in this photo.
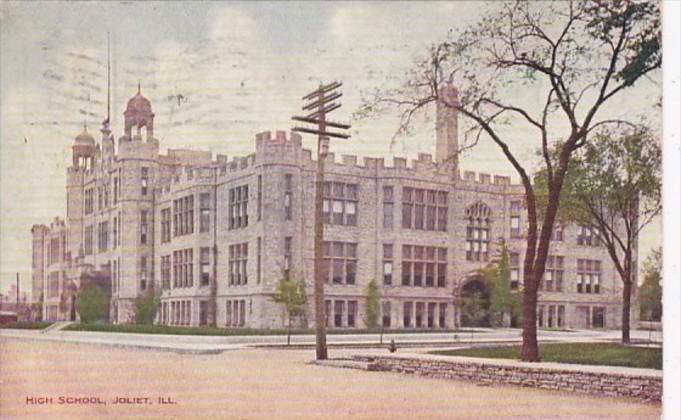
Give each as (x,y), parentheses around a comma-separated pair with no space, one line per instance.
(557,234)
(89,200)
(352,312)
(424,266)
(143,272)
(388,206)
(338,312)
(145,180)
(514,266)
(228,313)
(183,215)
(204,212)
(259,261)
(288,196)
(407,314)
(419,314)
(89,235)
(588,235)
(387,264)
(561,316)
(340,259)
(442,315)
(238,263)
(204,262)
(515,226)
(203,313)
(288,249)
(115,232)
(431,314)
(144,227)
(259,197)
(115,190)
(340,203)
(238,207)
(103,236)
(165,272)
(385,311)
(165,225)
(424,209)
(588,276)
(553,274)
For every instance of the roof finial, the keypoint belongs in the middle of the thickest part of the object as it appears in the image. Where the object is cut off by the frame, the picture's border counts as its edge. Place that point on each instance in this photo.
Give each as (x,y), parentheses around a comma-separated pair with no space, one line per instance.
(139,87)
(85,126)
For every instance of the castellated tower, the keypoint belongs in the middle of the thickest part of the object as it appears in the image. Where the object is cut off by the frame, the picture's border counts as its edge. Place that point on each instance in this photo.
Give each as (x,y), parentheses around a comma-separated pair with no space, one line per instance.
(447,125)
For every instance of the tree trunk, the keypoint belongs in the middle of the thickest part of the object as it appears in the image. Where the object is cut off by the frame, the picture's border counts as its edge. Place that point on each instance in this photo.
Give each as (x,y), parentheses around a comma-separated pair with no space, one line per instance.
(530,348)
(626,309)
(288,338)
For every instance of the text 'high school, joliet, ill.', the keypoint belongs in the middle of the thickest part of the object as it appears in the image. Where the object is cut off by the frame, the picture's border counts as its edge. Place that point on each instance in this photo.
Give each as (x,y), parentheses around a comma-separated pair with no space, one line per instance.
(215,236)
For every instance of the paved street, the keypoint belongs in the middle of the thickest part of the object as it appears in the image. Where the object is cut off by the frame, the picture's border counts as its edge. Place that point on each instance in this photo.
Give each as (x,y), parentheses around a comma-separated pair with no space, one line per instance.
(259,383)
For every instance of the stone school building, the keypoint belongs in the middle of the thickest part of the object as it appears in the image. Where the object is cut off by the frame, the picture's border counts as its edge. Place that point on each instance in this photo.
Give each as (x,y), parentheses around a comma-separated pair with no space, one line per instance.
(215,236)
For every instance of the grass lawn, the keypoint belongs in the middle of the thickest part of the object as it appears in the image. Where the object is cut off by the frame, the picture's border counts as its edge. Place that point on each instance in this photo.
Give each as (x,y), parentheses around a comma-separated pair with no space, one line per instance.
(162,329)
(608,354)
(35,325)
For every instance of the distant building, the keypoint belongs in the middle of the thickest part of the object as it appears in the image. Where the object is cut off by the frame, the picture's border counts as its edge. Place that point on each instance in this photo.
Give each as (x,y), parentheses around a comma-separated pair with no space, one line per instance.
(214,236)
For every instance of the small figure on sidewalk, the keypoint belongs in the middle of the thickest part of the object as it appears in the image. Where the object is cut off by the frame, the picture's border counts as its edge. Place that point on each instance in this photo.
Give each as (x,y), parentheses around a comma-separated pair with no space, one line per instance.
(392,348)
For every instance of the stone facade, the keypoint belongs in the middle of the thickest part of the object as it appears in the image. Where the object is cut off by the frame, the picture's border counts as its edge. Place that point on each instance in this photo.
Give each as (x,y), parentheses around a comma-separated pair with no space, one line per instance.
(214,235)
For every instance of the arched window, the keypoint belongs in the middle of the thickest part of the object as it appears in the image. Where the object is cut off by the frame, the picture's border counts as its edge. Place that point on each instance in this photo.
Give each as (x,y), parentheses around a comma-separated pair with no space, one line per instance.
(477,232)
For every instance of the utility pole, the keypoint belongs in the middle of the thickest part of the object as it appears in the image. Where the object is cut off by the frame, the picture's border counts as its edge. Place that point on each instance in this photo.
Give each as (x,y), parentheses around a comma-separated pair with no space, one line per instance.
(321,102)
(18,292)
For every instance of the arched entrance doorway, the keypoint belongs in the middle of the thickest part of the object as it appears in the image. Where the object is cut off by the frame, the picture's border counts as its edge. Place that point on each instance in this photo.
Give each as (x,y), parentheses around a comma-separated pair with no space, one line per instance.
(474,303)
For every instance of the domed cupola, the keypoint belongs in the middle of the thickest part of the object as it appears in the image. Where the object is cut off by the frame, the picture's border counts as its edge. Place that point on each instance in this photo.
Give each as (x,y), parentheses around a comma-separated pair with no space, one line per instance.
(84,149)
(138,114)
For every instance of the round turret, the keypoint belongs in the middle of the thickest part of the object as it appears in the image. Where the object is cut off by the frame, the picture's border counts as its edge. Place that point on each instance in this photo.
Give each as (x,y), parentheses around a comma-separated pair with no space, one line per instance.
(138,114)
(84,148)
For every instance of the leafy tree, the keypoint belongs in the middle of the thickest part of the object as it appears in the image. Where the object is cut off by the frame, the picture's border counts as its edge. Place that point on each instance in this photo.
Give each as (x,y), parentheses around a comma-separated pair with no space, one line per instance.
(291,293)
(92,303)
(503,300)
(650,292)
(575,55)
(614,187)
(372,308)
(146,307)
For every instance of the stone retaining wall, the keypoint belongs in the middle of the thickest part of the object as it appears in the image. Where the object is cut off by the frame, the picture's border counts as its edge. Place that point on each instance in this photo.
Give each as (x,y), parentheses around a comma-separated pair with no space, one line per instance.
(646,387)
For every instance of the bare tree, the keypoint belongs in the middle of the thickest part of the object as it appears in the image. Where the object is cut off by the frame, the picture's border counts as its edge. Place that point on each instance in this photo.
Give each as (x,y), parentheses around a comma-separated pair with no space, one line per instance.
(577,56)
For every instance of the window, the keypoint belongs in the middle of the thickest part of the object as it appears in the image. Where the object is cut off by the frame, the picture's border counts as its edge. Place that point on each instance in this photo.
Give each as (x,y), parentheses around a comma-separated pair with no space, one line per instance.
(228,313)
(598,317)
(53,285)
(477,232)
(183,216)
(515,226)
(204,265)
(540,315)
(352,312)
(259,197)
(204,212)
(338,309)
(288,245)
(340,203)
(89,200)
(54,251)
(165,225)
(557,234)
(419,314)
(514,266)
(203,312)
(144,227)
(388,206)
(89,240)
(145,180)
(116,190)
(238,261)
(587,235)
(385,311)
(406,314)
(442,315)
(288,196)
(588,276)
(424,266)
(143,272)
(100,198)
(115,232)
(424,209)
(183,268)
(340,262)
(553,274)
(387,264)
(431,314)
(259,262)
(561,316)
(327,312)
(165,272)
(552,316)
(103,236)
(515,207)
(238,207)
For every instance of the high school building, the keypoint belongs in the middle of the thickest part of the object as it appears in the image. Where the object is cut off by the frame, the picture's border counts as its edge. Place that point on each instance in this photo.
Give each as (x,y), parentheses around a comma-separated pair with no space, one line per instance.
(215,236)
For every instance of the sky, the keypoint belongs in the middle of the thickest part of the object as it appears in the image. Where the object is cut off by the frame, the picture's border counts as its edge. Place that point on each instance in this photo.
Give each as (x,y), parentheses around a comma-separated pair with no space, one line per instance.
(216,74)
